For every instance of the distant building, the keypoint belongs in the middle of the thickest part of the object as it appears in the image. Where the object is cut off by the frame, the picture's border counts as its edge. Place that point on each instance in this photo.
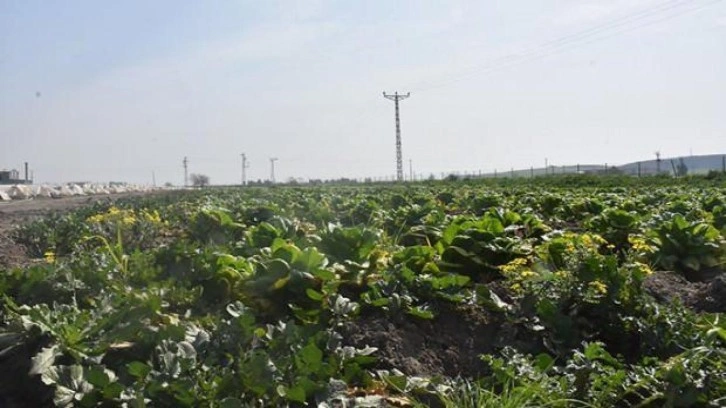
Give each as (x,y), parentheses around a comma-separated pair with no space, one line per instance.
(13,177)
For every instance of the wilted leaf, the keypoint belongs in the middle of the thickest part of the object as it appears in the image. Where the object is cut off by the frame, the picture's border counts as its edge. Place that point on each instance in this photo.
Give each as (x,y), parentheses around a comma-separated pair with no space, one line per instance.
(44,359)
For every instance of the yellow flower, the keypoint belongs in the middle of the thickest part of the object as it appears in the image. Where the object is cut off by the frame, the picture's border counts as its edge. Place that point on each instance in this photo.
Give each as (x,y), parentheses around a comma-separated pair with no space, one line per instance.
(598,239)
(639,244)
(152,216)
(587,240)
(113,211)
(518,261)
(96,219)
(514,265)
(49,257)
(516,287)
(528,274)
(561,274)
(643,268)
(599,287)
(128,219)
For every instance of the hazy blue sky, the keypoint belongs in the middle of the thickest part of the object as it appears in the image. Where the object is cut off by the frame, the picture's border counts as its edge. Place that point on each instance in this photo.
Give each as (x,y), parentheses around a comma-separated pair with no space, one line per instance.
(113,90)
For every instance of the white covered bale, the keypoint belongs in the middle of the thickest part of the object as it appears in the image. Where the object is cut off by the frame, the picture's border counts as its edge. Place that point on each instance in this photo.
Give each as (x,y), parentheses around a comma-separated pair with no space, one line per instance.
(4,196)
(44,192)
(56,192)
(20,192)
(65,191)
(76,190)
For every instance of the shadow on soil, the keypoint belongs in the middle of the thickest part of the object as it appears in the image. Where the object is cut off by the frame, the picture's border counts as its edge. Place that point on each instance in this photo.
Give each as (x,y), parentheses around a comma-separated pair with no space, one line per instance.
(449,344)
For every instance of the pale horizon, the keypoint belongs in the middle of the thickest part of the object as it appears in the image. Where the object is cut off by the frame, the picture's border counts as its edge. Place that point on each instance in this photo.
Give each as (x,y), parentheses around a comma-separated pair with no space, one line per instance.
(104,92)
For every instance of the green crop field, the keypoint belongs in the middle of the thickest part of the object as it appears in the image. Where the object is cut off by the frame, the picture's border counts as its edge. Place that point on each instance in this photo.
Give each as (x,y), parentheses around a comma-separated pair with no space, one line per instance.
(446,294)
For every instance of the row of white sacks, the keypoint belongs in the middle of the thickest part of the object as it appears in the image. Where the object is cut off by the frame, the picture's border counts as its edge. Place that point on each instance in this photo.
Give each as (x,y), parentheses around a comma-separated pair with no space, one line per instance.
(25,191)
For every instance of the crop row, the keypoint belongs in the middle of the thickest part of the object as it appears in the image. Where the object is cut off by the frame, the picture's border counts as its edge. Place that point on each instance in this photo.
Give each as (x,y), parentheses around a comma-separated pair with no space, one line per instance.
(290,296)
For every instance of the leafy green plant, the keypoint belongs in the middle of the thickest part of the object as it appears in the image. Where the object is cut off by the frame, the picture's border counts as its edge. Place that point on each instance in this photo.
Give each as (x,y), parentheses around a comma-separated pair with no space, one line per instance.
(272,296)
(688,247)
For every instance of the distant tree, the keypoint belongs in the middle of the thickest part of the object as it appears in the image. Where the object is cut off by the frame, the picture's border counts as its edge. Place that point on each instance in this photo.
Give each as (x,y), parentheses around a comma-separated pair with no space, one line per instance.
(168,184)
(681,168)
(199,180)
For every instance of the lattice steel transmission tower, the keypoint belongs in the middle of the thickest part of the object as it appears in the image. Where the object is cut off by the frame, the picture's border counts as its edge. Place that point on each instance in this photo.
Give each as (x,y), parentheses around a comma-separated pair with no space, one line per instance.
(245,166)
(185,162)
(399,156)
(272,169)
(657,162)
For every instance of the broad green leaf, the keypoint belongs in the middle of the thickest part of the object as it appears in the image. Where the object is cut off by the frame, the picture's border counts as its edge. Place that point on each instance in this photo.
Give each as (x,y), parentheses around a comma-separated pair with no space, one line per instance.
(231,402)
(310,259)
(314,294)
(544,361)
(99,376)
(421,312)
(323,274)
(278,268)
(138,369)
(296,394)
(281,283)
(112,390)
(312,356)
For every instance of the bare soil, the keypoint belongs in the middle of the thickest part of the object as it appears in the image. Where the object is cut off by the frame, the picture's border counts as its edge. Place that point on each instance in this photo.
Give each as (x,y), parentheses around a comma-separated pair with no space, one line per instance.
(709,296)
(447,345)
(450,343)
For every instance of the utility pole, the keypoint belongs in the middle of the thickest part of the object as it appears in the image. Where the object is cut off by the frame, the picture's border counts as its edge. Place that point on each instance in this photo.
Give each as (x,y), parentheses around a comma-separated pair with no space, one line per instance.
(410,170)
(186,163)
(399,156)
(657,162)
(272,169)
(245,165)
(153,178)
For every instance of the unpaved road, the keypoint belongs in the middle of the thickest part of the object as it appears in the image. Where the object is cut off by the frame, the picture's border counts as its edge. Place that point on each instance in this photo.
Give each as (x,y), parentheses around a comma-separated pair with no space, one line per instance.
(14,213)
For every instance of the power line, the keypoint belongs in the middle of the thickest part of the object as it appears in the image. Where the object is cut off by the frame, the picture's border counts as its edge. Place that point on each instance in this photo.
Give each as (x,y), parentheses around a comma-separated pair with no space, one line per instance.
(593,30)
(399,156)
(570,42)
(620,21)
(561,41)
